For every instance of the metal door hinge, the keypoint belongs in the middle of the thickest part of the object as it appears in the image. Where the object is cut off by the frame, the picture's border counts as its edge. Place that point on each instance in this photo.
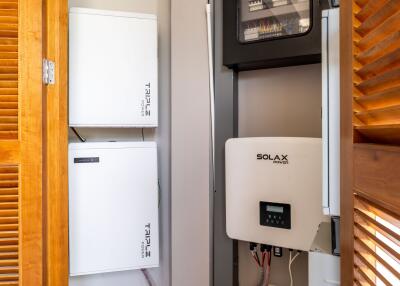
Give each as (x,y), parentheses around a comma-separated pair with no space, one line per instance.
(48,72)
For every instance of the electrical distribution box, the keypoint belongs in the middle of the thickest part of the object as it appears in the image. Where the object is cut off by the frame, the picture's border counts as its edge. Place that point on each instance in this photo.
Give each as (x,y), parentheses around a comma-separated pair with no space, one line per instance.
(112,69)
(113,207)
(274,190)
(271,33)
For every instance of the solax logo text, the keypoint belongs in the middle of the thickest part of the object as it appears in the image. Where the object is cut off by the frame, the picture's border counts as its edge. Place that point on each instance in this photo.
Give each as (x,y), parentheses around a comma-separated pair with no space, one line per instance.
(276,159)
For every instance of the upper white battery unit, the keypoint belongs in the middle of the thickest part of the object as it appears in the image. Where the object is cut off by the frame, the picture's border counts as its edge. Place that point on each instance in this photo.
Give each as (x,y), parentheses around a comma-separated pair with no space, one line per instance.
(113,207)
(274,190)
(112,69)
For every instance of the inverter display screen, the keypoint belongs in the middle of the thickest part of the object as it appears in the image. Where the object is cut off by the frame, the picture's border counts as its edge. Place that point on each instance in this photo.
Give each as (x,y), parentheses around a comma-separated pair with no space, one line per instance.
(275,209)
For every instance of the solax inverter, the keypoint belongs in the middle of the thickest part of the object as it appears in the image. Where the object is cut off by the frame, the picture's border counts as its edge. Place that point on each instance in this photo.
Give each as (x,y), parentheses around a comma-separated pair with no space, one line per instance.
(274,190)
(113,207)
(112,69)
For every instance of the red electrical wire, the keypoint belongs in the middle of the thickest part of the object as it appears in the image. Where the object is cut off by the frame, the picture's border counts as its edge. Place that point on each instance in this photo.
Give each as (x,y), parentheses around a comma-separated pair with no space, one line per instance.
(263,258)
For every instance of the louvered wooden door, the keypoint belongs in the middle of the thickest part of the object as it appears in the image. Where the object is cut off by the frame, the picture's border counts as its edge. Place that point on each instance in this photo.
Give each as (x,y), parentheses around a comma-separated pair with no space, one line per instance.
(21,145)
(370,79)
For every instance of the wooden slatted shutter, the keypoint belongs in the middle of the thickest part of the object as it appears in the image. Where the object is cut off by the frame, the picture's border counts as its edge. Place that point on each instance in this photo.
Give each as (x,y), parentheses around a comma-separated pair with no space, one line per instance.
(9,224)
(9,174)
(9,70)
(21,140)
(370,79)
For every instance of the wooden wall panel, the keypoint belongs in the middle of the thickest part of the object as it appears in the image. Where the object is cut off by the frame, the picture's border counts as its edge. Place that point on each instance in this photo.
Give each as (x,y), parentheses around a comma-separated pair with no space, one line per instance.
(376,174)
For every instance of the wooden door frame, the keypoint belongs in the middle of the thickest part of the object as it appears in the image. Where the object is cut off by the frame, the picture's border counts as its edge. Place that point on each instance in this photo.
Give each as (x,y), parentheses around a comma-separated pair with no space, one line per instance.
(346,143)
(30,145)
(56,258)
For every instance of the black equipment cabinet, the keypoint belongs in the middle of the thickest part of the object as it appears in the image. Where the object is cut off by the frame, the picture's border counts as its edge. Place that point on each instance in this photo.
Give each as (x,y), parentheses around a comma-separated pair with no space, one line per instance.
(271,33)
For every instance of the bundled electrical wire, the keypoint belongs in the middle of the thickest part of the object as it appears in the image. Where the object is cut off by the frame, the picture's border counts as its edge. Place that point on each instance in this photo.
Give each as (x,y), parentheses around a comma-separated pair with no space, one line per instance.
(263,265)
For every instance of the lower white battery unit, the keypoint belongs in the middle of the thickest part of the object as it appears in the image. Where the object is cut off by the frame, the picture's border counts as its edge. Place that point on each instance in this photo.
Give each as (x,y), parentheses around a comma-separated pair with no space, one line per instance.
(113,207)
(274,190)
(323,269)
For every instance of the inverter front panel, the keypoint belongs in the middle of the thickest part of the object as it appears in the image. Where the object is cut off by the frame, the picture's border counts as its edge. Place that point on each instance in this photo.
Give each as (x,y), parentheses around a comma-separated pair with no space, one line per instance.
(113,207)
(274,190)
(112,69)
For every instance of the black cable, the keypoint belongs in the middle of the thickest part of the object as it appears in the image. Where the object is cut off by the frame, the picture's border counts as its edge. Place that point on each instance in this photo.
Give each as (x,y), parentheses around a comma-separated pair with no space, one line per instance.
(270,256)
(159,193)
(78,135)
(253,246)
(147,276)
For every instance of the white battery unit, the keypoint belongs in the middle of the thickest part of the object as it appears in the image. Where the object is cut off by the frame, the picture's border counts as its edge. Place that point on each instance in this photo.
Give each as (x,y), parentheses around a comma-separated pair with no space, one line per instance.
(113,207)
(323,269)
(112,69)
(274,190)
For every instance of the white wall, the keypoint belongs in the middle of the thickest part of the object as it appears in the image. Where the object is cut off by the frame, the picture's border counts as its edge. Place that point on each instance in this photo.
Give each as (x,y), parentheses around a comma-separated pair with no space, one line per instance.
(140,6)
(161,275)
(279,102)
(190,147)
